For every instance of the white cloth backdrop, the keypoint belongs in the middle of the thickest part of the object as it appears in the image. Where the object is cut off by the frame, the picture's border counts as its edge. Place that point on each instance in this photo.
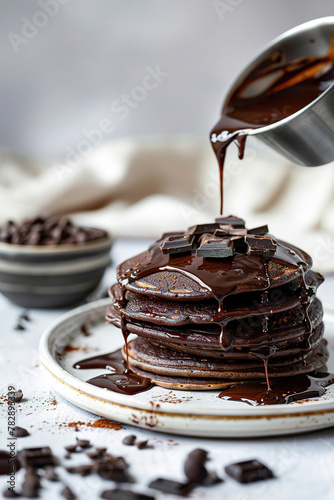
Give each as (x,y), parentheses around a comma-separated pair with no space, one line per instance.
(145,186)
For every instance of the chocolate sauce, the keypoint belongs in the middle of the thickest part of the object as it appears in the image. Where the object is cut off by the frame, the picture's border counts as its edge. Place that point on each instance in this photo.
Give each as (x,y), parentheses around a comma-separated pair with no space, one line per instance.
(282,391)
(123,381)
(272,91)
(110,361)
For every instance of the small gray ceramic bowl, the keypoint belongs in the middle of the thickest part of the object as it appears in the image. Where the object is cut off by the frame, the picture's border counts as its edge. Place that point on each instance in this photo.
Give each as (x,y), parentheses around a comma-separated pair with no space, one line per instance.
(50,277)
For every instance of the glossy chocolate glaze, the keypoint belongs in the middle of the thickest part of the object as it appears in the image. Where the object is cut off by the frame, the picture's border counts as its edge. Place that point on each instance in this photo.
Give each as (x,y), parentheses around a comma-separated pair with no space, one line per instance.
(271,92)
(281,391)
(122,381)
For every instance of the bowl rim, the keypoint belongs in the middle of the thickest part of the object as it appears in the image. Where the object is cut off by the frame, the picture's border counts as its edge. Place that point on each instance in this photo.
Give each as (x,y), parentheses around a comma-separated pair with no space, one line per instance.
(12,248)
(297,30)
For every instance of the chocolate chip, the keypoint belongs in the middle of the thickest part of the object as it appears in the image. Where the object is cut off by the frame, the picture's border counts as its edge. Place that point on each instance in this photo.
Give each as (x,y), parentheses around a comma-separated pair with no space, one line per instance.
(25,316)
(118,494)
(72,448)
(8,464)
(259,230)
(68,493)
(19,326)
(194,467)
(31,484)
(100,450)
(36,457)
(219,248)
(249,471)
(10,494)
(172,487)
(141,444)
(111,468)
(82,470)
(18,395)
(129,440)
(261,245)
(83,443)
(50,474)
(19,432)
(177,244)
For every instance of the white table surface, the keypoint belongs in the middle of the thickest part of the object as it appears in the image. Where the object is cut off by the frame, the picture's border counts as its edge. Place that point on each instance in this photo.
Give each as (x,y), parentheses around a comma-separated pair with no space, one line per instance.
(303,464)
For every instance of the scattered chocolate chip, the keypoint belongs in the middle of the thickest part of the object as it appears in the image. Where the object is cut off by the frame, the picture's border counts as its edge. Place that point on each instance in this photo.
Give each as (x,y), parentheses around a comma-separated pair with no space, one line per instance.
(10,494)
(111,468)
(31,484)
(93,454)
(129,440)
(100,450)
(82,470)
(19,432)
(67,456)
(141,444)
(36,457)
(8,464)
(172,487)
(72,448)
(259,230)
(118,494)
(19,326)
(84,330)
(18,395)
(249,471)
(68,493)
(25,316)
(83,443)
(194,467)
(177,244)
(50,474)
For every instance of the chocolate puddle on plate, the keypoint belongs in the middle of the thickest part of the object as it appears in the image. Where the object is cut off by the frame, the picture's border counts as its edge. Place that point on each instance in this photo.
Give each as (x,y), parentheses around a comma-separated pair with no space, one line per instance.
(122,380)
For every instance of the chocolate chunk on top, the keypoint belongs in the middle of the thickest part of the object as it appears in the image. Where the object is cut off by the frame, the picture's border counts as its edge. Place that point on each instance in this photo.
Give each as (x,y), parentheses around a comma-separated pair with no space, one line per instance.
(213,246)
(177,244)
(203,228)
(261,245)
(20,432)
(249,471)
(231,220)
(259,230)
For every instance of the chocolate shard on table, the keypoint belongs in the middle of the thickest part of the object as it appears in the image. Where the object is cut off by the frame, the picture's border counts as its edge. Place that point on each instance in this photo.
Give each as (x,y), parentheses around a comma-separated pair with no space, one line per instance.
(118,494)
(261,245)
(249,471)
(177,244)
(219,248)
(171,487)
(36,457)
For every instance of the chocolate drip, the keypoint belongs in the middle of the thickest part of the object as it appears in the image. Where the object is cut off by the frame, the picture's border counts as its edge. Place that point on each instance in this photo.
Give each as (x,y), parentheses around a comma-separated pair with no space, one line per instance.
(123,381)
(292,85)
(282,391)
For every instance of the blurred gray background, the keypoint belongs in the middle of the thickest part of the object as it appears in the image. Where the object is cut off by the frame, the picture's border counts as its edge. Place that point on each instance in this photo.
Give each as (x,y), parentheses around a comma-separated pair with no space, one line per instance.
(65,63)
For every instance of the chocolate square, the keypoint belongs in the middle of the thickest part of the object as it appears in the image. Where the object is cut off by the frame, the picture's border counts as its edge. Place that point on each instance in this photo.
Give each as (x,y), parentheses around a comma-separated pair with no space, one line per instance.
(249,471)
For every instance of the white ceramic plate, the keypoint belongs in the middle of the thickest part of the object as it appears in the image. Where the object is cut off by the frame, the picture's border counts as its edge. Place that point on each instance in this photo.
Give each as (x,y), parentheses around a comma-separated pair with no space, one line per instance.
(196,413)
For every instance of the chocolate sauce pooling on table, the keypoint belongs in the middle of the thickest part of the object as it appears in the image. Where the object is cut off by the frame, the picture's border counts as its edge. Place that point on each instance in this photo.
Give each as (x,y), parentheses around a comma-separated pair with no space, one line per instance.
(291,86)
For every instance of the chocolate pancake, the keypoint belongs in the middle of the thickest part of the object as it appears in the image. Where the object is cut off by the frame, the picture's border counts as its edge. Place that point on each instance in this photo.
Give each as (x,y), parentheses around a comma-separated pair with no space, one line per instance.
(218,304)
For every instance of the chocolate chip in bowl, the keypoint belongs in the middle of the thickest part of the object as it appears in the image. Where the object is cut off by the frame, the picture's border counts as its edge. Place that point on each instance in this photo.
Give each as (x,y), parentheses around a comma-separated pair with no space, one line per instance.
(48,262)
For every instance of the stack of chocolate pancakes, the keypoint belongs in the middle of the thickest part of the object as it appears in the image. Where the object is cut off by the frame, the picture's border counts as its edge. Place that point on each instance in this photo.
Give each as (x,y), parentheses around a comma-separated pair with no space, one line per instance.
(219,304)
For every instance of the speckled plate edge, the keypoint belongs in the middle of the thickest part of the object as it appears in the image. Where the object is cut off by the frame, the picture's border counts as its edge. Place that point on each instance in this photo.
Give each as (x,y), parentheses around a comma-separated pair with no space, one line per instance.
(238,421)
